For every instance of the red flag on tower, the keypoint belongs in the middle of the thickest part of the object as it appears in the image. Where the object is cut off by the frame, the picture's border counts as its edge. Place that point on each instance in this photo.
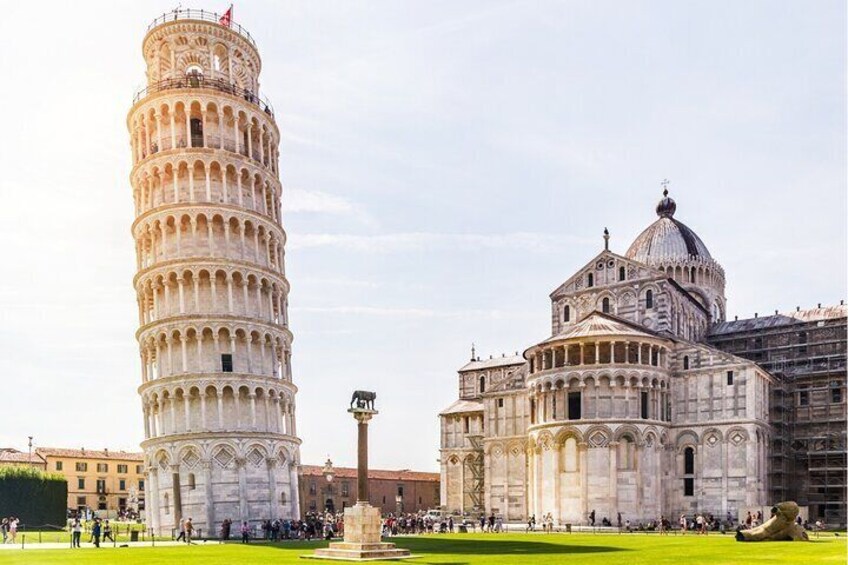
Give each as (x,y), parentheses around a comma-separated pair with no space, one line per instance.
(227,18)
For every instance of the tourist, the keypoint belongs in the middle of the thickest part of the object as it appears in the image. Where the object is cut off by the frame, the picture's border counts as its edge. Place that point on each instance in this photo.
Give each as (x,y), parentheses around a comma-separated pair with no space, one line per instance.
(499,524)
(626,524)
(4,529)
(13,529)
(682,523)
(450,524)
(76,532)
(619,520)
(245,533)
(107,532)
(491,522)
(592,517)
(189,528)
(182,530)
(95,532)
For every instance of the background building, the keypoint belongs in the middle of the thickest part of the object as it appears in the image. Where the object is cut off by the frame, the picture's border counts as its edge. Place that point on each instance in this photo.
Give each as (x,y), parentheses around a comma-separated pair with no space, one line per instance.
(645,402)
(217,392)
(11,456)
(390,491)
(106,481)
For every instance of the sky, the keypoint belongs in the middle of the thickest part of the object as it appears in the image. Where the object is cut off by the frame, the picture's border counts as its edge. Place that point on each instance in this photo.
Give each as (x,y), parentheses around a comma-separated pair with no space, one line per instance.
(446,165)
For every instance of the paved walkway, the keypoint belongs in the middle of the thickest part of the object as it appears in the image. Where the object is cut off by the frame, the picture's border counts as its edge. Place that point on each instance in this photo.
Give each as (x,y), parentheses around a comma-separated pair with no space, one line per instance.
(109,545)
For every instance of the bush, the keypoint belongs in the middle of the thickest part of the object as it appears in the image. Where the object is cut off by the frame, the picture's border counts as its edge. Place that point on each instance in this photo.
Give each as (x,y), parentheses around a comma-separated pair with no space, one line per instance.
(35,497)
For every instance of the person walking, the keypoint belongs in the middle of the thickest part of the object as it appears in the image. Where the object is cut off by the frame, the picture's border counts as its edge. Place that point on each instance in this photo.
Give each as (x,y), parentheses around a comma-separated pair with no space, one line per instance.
(107,532)
(592,517)
(76,532)
(189,528)
(682,523)
(4,529)
(182,530)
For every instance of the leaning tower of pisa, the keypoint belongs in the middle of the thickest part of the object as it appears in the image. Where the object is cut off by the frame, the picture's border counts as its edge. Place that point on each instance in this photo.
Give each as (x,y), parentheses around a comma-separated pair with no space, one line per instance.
(217,392)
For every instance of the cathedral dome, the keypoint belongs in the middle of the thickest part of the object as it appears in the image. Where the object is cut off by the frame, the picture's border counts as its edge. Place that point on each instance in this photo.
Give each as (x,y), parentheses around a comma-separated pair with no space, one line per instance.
(667,239)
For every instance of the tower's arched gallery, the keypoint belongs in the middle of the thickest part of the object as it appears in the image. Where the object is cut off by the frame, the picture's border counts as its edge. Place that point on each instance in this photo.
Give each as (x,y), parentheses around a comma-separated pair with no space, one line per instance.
(217,392)
(624,408)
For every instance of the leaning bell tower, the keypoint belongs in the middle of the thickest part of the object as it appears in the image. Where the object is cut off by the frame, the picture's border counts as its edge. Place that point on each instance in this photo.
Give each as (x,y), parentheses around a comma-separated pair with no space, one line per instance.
(217,392)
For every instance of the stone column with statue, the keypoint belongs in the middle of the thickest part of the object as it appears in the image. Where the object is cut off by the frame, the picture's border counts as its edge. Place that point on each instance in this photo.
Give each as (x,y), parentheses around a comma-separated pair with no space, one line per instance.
(362,522)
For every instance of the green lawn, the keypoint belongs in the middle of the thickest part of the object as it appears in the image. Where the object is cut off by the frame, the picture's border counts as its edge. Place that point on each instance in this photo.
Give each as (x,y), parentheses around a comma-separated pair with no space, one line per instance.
(491,549)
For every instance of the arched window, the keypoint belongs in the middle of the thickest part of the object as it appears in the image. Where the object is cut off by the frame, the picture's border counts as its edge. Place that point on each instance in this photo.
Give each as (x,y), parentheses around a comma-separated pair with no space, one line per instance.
(196,125)
(685,362)
(282,498)
(166,505)
(605,305)
(566,314)
(689,461)
(622,273)
(626,453)
(692,274)
(649,299)
(482,385)
(191,483)
(590,280)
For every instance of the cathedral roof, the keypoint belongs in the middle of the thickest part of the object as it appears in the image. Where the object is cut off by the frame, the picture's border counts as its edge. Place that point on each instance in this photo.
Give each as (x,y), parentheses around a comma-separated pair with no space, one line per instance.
(667,239)
(797,317)
(492,363)
(463,406)
(597,324)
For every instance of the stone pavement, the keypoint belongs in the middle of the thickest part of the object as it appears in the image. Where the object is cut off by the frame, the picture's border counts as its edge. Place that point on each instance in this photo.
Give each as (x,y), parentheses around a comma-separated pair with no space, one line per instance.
(123,545)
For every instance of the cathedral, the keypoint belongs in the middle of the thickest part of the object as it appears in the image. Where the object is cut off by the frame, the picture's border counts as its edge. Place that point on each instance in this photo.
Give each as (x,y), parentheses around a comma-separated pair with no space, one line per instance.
(626,408)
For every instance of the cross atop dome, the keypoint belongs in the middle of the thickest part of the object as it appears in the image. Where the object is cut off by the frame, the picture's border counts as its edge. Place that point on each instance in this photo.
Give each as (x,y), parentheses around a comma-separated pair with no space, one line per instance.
(667,206)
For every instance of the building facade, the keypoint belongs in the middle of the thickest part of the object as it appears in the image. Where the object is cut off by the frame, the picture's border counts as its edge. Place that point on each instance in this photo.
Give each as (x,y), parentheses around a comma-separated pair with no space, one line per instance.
(396,492)
(217,391)
(631,406)
(806,351)
(104,481)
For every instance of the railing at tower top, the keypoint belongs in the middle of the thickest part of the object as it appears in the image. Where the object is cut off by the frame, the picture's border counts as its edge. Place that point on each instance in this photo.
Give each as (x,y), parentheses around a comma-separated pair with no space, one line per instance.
(197,81)
(202,15)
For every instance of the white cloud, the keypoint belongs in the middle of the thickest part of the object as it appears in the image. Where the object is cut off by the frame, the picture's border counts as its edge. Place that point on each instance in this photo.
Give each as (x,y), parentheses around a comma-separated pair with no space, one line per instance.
(417,313)
(315,201)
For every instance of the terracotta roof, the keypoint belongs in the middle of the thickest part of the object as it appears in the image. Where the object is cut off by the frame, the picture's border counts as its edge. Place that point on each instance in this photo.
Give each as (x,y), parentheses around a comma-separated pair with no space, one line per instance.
(9,455)
(783,319)
(350,473)
(89,454)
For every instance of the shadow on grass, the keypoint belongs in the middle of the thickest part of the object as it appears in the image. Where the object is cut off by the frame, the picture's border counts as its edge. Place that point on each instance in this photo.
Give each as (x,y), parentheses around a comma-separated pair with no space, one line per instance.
(436,546)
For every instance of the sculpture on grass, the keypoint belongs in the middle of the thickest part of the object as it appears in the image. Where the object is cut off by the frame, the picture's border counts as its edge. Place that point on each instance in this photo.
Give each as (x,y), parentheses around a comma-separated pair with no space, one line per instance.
(780,527)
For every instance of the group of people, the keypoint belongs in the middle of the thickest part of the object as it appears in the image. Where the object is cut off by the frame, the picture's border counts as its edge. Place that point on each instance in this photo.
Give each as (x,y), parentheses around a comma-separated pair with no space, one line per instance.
(9,528)
(100,530)
(312,526)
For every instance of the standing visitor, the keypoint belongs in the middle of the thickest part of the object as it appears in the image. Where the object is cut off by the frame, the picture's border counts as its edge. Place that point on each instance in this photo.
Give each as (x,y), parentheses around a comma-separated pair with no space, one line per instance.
(76,532)
(95,532)
(13,529)
(4,529)
(245,532)
(682,523)
(592,517)
(189,527)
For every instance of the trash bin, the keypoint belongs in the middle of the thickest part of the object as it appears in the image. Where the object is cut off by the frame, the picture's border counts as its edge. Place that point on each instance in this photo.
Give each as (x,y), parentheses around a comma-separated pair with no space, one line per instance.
(134,535)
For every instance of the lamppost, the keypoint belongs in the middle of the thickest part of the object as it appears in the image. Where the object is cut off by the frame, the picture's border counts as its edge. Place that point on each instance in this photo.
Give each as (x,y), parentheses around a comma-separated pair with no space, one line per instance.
(29,455)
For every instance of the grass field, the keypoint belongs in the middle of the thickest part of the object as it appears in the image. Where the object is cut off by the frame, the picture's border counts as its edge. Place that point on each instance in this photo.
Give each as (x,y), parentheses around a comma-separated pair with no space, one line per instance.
(471,549)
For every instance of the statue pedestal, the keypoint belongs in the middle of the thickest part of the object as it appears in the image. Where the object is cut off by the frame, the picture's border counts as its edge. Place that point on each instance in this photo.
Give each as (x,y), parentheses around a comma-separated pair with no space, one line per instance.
(362,540)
